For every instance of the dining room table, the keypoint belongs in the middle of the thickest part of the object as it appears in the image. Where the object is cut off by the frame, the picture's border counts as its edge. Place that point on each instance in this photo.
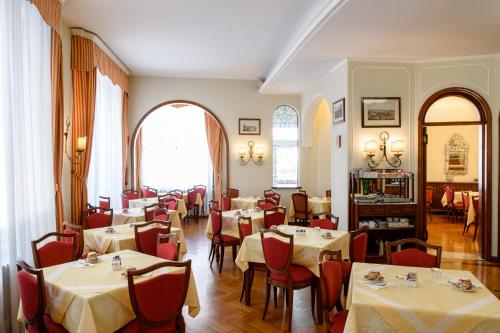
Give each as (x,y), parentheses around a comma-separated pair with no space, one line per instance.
(306,249)
(143,202)
(93,298)
(245,202)
(432,304)
(119,237)
(471,213)
(315,205)
(230,222)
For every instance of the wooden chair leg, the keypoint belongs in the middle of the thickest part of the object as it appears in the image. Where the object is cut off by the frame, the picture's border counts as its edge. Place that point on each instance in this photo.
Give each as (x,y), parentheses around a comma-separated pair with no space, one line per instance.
(313,297)
(475,231)
(275,291)
(221,262)
(465,227)
(268,294)
(289,309)
(215,254)
(212,250)
(234,253)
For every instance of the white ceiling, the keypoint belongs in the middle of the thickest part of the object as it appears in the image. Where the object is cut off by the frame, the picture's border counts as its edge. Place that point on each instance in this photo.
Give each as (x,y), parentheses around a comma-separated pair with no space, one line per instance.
(292,43)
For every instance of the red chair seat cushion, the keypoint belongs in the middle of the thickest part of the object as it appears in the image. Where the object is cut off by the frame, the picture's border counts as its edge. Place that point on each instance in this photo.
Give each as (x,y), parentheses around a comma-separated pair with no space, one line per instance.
(227,240)
(51,326)
(346,269)
(167,251)
(413,257)
(298,274)
(337,321)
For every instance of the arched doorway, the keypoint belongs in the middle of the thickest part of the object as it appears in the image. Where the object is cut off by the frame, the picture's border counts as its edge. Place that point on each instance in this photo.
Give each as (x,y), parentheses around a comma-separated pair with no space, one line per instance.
(176,104)
(485,160)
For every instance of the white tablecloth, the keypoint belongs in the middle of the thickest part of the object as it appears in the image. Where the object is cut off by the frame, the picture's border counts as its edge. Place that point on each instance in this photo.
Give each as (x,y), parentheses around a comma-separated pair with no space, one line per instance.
(140,203)
(244,202)
(471,214)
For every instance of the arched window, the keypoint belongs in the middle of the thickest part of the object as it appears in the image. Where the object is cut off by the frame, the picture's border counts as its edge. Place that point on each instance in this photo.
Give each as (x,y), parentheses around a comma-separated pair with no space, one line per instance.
(285,147)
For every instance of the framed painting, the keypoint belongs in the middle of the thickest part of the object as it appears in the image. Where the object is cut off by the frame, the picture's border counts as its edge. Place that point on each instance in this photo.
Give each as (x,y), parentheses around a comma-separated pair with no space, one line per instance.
(338,111)
(381,112)
(249,126)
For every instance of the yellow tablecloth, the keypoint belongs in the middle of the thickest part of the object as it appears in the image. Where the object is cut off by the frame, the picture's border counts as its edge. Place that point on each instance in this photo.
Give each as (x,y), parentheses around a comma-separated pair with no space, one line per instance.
(315,205)
(432,306)
(471,214)
(95,299)
(305,252)
(140,203)
(244,202)
(199,200)
(230,222)
(122,239)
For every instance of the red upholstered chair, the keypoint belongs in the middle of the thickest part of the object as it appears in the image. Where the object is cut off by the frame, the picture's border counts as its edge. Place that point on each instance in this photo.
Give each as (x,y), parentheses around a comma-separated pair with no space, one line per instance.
(328,193)
(177,193)
(54,252)
(274,216)
(148,192)
(77,230)
(202,190)
(225,202)
(220,240)
(300,206)
(272,195)
(32,291)
(452,206)
(330,270)
(104,202)
(156,211)
(102,218)
(281,273)
(169,200)
(267,203)
(357,253)
(128,195)
(191,204)
(167,250)
(245,228)
(429,193)
(233,193)
(90,210)
(153,313)
(329,222)
(413,256)
(146,241)
(213,204)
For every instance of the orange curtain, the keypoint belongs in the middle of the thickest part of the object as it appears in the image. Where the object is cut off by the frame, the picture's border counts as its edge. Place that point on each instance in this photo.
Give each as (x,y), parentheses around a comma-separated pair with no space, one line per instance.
(57,123)
(50,10)
(124,137)
(215,141)
(138,155)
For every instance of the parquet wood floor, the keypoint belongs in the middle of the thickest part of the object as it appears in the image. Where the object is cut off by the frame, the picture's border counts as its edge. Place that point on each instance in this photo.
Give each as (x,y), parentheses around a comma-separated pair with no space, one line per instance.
(219,294)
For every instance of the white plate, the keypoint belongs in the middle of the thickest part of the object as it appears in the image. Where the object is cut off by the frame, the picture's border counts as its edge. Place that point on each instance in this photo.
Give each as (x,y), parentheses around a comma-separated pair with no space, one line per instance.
(454,285)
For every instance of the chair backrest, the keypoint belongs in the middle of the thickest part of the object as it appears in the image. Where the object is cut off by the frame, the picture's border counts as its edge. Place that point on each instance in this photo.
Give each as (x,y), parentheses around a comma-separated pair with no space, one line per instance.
(267,203)
(358,244)
(32,292)
(177,193)
(202,189)
(429,192)
(274,216)
(148,192)
(244,228)
(156,211)
(128,195)
(413,256)
(77,230)
(273,195)
(213,204)
(328,193)
(169,200)
(450,194)
(465,200)
(216,221)
(103,218)
(167,250)
(269,193)
(54,252)
(299,201)
(277,253)
(192,195)
(330,275)
(148,297)
(225,200)
(302,191)
(329,222)
(104,202)
(147,239)
(233,193)
(475,204)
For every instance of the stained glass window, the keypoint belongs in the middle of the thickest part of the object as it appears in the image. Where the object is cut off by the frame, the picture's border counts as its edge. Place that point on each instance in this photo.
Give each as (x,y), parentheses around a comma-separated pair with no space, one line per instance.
(285,147)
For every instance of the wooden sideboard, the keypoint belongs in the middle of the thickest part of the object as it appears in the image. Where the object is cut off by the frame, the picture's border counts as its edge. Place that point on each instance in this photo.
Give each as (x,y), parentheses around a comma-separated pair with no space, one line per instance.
(438,193)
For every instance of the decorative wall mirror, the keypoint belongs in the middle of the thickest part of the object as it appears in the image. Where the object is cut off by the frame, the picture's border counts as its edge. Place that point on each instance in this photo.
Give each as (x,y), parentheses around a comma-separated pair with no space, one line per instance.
(457,156)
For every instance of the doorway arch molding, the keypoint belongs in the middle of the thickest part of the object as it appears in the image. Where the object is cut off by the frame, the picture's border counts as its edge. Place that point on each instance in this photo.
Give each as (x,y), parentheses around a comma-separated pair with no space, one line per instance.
(153,109)
(485,182)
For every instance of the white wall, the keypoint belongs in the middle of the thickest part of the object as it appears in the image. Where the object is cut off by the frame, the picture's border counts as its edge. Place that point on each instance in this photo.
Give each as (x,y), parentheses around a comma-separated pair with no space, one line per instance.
(229,100)
(438,138)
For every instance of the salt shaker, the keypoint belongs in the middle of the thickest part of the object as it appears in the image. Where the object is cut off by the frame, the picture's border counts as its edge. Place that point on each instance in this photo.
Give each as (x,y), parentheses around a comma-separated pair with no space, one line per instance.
(116,263)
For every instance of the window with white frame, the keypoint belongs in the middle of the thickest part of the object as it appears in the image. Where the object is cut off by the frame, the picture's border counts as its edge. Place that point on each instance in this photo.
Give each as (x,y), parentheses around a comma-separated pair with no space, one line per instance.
(285,147)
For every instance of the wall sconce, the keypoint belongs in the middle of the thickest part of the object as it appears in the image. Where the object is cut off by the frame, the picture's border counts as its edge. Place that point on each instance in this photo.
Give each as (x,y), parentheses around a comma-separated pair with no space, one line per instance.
(249,154)
(81,145)
(371,147)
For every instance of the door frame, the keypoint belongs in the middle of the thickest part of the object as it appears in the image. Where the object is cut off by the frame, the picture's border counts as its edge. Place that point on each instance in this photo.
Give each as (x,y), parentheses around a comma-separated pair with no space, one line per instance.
(485,181)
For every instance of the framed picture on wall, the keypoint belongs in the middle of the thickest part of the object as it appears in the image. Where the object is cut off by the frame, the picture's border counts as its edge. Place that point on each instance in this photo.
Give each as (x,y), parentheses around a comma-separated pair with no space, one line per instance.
(338,111)
(249,126)
(381,112)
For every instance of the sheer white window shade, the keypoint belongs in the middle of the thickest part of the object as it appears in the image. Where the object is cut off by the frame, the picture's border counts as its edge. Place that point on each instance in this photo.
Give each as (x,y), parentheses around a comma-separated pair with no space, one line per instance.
(105,171)
(285,147)
(27,208)
(175,150)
